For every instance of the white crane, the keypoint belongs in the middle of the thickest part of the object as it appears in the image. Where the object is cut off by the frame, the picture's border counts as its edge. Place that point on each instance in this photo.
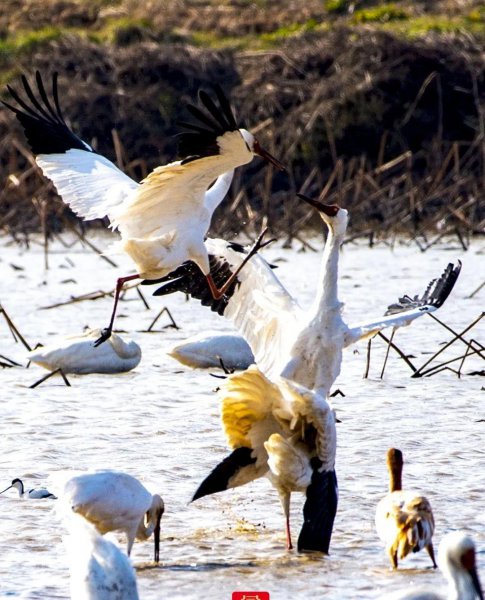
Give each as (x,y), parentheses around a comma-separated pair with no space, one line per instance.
(286,432)
(98,568)
(162,220)
(77,354)
(115,501)
(404,519)
(303,346)
(457,561)
(34,494)
(209,350)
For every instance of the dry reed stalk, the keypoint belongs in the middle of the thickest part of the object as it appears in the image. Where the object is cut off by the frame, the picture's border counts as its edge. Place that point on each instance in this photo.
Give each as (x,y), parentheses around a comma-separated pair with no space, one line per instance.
(48,376)
(163,311)
(392,345)
(421,372)
(13,330)
(8,362)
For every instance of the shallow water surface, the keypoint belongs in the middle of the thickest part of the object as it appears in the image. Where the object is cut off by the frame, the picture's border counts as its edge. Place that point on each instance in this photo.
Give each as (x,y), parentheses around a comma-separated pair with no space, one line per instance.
(160,423)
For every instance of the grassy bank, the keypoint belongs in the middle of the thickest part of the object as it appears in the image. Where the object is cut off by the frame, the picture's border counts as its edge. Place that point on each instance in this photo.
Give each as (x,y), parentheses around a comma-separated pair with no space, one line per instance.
(376,106)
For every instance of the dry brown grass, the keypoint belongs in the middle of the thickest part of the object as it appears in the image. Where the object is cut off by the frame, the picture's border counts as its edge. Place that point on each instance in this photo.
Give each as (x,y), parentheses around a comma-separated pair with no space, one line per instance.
(390,128)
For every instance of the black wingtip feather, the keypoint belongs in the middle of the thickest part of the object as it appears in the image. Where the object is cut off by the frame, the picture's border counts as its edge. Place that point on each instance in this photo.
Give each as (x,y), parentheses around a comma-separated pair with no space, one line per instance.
(319,512)
(219,478)
(189,279)
(434,295)
(226,107)
(43,123)
(213,122)
(216,112)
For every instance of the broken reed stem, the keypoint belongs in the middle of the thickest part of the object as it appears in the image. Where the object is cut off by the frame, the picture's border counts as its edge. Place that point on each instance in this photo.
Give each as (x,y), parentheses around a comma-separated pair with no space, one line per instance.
(89,296)
(457,334)
(464,358)
(15,332)
(420,372)
(89,244)
(433,370)
(164,310)
(12,362)
(387,352)
(142,297)
(398,350)
(46,377)
(367,364)
(477,290)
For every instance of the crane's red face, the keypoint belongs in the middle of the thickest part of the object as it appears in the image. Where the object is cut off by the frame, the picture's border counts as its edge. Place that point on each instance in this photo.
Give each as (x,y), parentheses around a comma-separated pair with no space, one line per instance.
(267,156)
(330,210)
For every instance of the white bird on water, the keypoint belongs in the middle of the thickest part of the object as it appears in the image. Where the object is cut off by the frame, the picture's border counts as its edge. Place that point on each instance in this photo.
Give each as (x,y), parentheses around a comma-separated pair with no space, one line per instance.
(164,219)
(77,354)
(115,501)
(213,350)
(404,519)
(98,568)
(286,432)
(304,346)
(457,561)
(35,494)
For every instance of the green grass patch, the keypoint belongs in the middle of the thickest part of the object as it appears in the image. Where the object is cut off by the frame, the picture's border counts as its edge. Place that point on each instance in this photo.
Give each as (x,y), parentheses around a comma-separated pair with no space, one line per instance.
(120,30)
(422,25)
(210,39)
(337,7)
(27,41)
(283,33)
(381,14)
(477,15)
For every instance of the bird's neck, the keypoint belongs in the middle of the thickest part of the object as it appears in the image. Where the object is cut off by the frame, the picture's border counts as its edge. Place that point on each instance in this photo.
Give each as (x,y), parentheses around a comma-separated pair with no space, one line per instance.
(216,193)
(327,296)
(395,478)
(460,587)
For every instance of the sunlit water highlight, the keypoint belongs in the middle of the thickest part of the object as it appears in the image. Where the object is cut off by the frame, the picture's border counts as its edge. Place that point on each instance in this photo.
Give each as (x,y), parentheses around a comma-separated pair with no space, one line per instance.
(160,423)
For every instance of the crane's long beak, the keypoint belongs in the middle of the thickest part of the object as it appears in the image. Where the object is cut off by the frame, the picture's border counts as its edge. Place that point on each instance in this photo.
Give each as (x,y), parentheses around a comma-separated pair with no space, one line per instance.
(329,209)
(10,486)
(267,156)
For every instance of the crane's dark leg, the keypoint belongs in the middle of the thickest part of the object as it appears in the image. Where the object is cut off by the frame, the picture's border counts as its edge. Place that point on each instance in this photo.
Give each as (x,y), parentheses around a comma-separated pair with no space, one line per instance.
(119,286)
(217,293)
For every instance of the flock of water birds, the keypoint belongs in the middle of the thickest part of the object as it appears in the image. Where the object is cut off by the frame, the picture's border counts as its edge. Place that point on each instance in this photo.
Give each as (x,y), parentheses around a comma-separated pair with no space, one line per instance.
(276,414)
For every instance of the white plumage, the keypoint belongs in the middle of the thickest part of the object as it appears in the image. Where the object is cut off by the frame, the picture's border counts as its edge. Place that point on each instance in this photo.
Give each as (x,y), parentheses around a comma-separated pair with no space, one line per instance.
(115,501)
(208,350)
(286,432)
(304,346)
(164,219)
(98,569)
(77,354)
(404,519)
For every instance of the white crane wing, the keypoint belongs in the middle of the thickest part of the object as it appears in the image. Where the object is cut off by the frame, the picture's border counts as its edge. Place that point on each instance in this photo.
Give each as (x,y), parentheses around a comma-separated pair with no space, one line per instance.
(169,198)
(408,309)
(94,187)
(107,498)
(89,183)
(304,410)
(260,307)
